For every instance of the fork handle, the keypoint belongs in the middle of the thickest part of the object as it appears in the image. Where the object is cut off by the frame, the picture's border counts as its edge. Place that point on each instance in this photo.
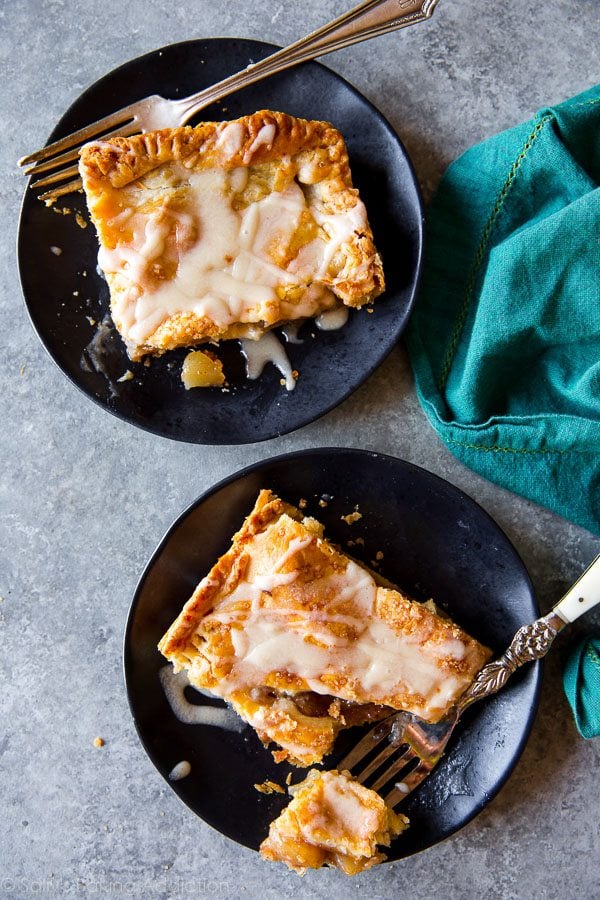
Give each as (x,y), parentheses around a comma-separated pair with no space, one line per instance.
(533,641)
(368,19)
(582,596)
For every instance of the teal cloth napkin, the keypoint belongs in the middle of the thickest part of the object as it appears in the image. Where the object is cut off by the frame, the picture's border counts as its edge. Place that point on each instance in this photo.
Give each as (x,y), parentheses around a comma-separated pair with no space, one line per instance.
(505,337)
(581,681)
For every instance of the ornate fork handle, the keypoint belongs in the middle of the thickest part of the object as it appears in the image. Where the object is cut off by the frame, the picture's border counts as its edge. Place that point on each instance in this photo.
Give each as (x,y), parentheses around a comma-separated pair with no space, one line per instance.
(531,642)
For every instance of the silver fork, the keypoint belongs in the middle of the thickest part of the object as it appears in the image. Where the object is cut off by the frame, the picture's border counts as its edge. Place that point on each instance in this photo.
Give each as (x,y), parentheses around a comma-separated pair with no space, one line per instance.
(367,20)
(409,747)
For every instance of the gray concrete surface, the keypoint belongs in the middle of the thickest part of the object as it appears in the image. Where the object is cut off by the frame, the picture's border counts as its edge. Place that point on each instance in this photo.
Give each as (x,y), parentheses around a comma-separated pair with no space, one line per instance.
(85,498)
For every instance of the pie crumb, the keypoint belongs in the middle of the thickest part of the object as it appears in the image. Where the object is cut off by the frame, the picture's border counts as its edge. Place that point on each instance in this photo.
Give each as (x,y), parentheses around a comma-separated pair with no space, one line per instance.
(270,787)
(351,518)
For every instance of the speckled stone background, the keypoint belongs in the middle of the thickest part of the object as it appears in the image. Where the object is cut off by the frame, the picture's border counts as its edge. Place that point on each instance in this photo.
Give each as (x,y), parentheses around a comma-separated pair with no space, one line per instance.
(85,498)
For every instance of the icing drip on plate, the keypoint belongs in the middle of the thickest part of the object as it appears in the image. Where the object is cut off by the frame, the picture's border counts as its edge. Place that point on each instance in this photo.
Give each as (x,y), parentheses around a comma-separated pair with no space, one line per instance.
(174,686)
(181,770)
(268,349)
(332,319)
(290,332)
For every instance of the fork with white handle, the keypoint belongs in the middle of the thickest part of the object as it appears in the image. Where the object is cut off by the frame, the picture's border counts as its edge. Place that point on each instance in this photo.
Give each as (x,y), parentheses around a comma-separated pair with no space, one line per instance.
(409,747)
(367,20)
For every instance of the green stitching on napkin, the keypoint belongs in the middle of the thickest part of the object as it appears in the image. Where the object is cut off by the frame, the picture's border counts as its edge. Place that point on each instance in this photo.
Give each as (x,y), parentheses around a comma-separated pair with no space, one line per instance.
(503,449)
(483,246)
(593,657)
(504,340)
(588,103)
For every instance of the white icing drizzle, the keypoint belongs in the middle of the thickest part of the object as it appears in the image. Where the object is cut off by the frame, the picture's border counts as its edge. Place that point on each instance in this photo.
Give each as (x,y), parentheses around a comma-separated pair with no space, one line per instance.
(332,319)
(316,256)
(227,260)
(230,138)
(290,333)
(174,686)
(352,816)
(181,770)
(267,583)
(265,137)
(238,179)
(294,546)
(343,809)
(306,643)
(267,349)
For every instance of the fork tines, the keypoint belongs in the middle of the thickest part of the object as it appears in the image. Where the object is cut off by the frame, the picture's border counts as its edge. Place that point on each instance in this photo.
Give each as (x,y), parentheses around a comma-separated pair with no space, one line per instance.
(388,758)
(55,157)
(406,786)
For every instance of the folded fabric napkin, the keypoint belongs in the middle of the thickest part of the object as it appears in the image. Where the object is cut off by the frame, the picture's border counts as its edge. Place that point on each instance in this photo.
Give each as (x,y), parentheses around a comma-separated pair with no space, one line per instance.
(505,336)
(581,681)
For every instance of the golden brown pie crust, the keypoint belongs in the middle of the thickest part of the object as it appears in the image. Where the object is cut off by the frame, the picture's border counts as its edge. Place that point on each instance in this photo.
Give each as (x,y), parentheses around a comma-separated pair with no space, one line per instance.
(124,174)
(276,700)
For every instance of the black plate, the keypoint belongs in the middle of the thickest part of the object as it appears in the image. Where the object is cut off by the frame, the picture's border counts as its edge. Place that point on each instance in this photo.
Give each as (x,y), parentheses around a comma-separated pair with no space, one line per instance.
(436,541)
(59,295)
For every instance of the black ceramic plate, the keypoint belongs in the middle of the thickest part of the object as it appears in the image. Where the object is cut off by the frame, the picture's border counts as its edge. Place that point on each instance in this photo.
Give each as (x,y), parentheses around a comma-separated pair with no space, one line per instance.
(61,291)
(436,541)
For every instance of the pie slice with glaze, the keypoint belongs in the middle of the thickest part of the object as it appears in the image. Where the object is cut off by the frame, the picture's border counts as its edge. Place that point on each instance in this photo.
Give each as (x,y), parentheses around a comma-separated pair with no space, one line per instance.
(227,229)
(302,640)
(332,820)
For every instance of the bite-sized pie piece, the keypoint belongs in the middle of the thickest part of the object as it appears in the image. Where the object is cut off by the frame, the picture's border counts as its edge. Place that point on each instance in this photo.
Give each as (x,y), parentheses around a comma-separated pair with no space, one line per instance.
(332,821)
(227,229)
(302,640)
